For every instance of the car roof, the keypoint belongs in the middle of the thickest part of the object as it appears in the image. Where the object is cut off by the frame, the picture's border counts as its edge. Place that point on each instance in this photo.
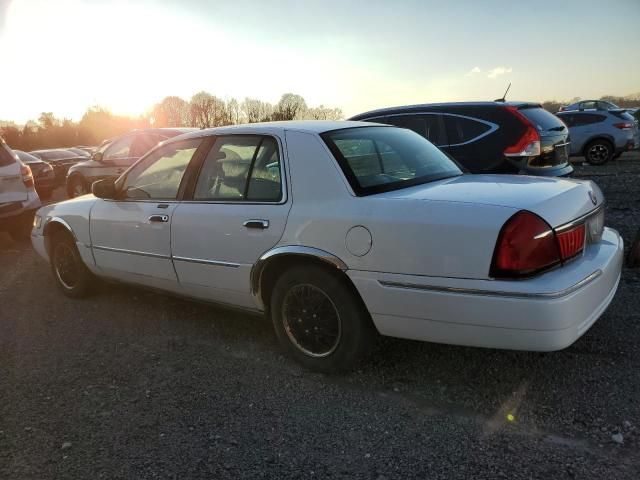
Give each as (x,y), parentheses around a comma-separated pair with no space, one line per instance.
(308,126)
(443,106)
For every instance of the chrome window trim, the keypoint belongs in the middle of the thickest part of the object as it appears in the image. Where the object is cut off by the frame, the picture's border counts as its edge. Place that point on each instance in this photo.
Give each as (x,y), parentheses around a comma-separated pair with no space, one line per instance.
(495,293)
(206,262)
(492,126)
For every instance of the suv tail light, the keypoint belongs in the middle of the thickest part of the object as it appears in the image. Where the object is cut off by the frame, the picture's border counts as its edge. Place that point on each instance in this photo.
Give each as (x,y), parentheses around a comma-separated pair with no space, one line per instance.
(27,176)
(528,145)
(623,125)
(528,245)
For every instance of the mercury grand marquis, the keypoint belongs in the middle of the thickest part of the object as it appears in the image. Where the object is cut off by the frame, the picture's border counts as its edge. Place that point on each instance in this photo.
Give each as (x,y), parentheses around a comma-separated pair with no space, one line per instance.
(339,231)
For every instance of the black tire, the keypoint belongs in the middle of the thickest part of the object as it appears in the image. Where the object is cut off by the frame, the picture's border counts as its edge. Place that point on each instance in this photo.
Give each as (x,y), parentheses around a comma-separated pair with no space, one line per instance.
(598,152)
(76,186)
(72,276)
(346,333)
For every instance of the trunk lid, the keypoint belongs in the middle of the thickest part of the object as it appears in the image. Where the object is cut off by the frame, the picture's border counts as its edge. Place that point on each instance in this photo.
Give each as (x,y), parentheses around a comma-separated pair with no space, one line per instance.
(12,188)
(556,200)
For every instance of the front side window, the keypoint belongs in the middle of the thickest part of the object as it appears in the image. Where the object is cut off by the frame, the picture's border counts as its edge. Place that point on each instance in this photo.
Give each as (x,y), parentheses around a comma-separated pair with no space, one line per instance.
(158,175)
(119,148)
(241,168)
(378,159)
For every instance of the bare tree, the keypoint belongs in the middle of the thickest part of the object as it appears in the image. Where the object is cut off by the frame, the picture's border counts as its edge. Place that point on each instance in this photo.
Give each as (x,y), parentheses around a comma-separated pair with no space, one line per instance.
(234,112)
(323,113)
(256,110)
(289,107)
(171,112)
(207,110)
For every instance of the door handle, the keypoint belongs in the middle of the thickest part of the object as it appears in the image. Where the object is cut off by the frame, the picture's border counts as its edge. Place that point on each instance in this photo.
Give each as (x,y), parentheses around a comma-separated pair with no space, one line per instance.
(256,224)
(159,218)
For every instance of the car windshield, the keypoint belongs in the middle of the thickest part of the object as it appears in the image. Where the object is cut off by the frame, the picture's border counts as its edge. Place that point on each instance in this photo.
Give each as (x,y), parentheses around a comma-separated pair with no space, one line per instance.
(379,159)
(543,120)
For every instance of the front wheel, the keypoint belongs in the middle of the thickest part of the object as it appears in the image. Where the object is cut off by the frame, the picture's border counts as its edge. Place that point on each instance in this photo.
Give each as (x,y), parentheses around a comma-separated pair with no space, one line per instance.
(599,152)
(69,271)
(319,320)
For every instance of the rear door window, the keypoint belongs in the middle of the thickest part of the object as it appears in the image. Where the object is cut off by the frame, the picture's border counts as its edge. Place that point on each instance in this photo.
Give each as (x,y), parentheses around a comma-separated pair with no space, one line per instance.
(430,126)
(462,130)
(543,120)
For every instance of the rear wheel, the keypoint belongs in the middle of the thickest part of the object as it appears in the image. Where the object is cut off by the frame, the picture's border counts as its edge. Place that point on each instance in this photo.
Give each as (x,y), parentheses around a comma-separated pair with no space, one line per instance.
(76,186)
(70,273)
(598,152)
(319,320)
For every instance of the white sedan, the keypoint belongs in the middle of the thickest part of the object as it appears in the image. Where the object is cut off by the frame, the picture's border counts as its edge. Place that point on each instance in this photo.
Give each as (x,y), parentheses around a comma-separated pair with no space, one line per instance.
(341,230)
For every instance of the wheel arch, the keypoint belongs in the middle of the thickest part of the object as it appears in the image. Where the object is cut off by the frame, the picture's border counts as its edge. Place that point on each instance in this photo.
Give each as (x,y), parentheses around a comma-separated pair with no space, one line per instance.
(590,140)
(54,225)
(266,270)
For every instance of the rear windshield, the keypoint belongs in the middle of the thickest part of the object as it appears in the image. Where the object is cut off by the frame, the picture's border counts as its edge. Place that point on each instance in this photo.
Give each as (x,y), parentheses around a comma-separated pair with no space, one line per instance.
(623,115)
(6,156)
(544,121)
(379,159)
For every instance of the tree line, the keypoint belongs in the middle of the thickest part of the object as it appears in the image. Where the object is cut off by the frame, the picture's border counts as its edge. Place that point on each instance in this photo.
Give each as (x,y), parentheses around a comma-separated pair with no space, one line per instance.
(203,110)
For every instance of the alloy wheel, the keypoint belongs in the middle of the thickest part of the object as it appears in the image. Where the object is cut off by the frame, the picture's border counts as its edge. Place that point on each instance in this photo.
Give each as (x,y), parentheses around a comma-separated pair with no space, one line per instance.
(598,153)
(311,320)
(66,265)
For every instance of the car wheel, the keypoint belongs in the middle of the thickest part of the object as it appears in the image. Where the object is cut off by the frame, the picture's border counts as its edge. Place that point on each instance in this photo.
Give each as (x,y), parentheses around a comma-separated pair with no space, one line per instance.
(598,152)
(319,320)
(76,187)
(70,273)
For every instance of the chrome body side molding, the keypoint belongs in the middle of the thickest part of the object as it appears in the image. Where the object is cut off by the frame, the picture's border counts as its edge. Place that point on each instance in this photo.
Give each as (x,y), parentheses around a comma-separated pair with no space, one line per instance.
(496,293)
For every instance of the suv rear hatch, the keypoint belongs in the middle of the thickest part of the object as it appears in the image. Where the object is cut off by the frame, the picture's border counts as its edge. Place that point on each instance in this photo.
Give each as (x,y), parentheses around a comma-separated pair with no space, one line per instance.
(553,136)
(12,188)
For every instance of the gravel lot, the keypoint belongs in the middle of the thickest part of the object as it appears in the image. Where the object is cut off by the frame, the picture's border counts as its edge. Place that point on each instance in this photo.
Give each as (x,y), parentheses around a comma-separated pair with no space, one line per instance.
(131,384)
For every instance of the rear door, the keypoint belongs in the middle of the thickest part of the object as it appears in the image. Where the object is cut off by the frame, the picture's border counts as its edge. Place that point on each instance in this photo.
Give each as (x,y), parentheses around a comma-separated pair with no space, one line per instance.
(462,134)
(429,125)
(12,188)
(236,211)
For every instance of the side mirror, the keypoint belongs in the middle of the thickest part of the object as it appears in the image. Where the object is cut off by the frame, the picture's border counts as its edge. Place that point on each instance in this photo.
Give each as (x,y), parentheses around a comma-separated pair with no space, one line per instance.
(97,157)
(105,188)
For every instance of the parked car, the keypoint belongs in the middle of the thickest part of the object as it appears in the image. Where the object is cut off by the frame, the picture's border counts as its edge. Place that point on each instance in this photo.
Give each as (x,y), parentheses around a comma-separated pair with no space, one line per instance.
(339,230)
(18,197)
(602,135)
(90,150)
(60,159)
(488,137)
(79,151)
(43,174)
(590,105)
(114,156)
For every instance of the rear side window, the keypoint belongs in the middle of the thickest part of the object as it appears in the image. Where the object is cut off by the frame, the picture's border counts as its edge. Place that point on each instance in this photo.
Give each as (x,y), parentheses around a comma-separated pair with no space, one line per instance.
(430,126)
(463,129)
(543,120)
(241,168)
(6,158)
(581,119)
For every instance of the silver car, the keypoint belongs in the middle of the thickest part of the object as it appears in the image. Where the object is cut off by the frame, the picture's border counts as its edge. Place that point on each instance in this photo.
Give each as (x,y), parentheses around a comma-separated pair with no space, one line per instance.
(600,135)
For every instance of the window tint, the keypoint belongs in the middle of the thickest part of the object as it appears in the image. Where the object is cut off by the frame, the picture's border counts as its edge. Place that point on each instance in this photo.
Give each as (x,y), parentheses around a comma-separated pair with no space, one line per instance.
(376,159)
(569,119)
(158,176)
(119,148)
(462,130)
(234,159)
(581,119)
(6,158)
(542,119)
(427,125)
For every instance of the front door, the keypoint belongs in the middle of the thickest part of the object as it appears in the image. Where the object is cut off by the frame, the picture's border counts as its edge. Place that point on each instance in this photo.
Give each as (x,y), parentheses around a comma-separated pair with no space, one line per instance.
(237,211)
(131,236)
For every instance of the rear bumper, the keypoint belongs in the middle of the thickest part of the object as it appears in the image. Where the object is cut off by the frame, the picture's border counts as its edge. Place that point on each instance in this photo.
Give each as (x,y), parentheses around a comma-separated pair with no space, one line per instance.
(10,219)
(559,171)
(546,313)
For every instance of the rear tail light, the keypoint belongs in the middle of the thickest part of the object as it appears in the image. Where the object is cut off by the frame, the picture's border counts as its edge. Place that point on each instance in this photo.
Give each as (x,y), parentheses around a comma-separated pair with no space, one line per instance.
(528,145)
(624,125)
(528,245)
(27,176)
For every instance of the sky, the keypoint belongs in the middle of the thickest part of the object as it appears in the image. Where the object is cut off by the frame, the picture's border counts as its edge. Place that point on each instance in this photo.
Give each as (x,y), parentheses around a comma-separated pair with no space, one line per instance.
(63,56)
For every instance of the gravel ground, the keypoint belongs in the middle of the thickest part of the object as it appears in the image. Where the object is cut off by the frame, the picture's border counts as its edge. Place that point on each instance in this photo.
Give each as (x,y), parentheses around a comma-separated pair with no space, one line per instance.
(131,384)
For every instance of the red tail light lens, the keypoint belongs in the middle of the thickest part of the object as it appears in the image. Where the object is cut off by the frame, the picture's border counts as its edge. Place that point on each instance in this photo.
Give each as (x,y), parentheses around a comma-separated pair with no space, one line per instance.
(526,245)
(27,176)
(528,145)
(623,125)
(571,242)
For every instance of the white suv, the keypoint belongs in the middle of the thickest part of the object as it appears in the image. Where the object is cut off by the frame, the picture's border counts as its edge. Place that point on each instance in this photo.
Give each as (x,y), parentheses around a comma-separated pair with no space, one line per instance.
(18,197)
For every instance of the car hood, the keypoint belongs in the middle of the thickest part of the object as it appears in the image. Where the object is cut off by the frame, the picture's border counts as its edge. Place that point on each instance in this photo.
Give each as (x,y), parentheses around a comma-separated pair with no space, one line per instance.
(557,200)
